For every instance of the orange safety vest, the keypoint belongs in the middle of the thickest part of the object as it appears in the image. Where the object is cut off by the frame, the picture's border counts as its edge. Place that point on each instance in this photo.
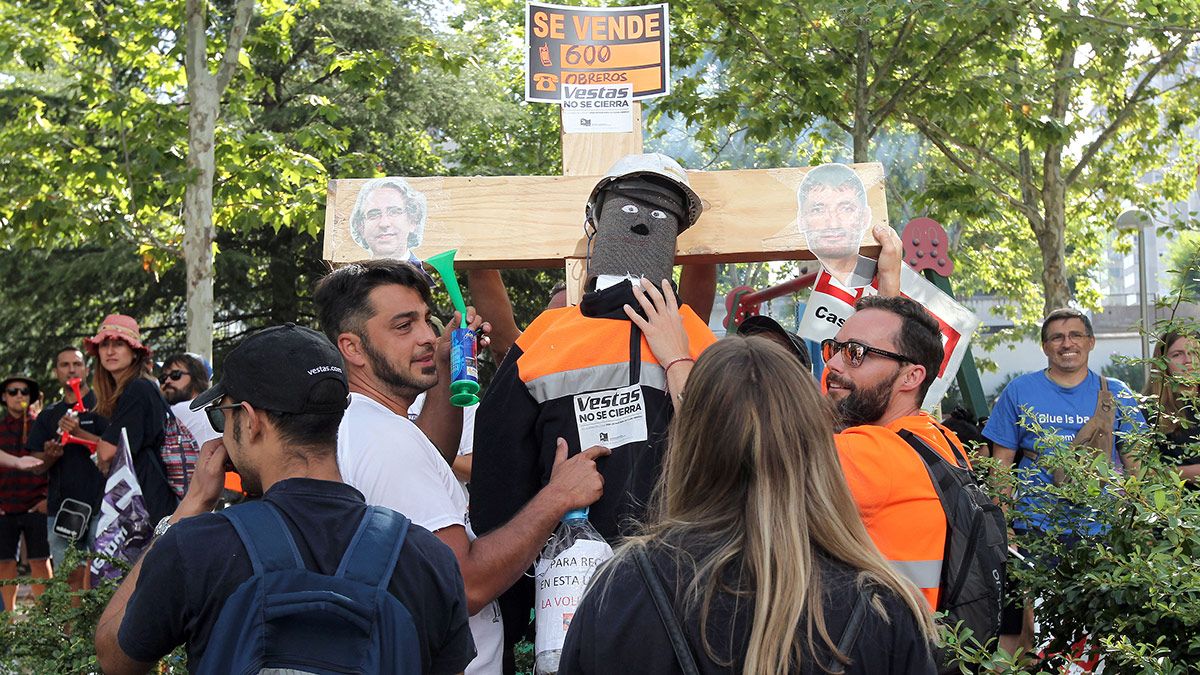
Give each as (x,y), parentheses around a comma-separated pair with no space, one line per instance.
(896,498)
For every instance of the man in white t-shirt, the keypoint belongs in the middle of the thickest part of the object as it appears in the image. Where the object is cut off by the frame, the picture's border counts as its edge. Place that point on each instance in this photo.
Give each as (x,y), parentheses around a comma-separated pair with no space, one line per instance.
(378,315)
(182,378)
(462,461)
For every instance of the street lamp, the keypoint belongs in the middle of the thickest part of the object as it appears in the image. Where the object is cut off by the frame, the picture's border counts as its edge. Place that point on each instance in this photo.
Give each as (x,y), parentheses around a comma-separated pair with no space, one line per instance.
(1140,221)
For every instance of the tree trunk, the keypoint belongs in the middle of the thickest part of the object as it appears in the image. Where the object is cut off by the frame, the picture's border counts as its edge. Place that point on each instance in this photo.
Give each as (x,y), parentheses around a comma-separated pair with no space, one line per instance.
(1051,238)
(204,106)
(197,218)
(860,131)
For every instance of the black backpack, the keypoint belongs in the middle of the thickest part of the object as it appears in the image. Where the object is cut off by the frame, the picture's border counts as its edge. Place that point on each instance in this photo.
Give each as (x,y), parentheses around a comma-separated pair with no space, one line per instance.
(972,585)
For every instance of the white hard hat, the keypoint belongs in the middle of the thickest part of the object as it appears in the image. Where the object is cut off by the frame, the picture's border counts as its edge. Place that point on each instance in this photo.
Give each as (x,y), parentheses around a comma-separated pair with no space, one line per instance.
(651,163)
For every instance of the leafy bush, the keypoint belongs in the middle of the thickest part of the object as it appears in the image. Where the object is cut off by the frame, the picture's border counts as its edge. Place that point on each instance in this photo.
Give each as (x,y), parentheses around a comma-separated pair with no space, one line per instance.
(1131,593)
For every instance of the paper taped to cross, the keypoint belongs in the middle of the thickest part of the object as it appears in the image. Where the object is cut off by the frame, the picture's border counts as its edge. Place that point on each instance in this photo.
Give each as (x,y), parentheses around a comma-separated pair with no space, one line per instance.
(388,219)
(597,109)
(831,303)
(537,221)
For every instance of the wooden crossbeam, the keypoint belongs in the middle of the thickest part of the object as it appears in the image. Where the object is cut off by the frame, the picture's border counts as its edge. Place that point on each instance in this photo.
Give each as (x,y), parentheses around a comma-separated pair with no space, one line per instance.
(537,221)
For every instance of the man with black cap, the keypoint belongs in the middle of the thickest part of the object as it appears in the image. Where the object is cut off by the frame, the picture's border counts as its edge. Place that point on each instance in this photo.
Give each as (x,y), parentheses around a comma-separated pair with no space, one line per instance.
(22,494)
(765,326)
(278,406)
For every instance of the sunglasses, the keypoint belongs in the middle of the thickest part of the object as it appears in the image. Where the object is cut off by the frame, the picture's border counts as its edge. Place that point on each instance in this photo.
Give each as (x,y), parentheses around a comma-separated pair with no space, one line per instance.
(17,391)
(856,352)
(174,376)
(216,418)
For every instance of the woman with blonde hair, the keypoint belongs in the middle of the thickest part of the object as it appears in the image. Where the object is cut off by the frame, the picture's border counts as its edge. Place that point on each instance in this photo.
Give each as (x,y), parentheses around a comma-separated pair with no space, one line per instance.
(128,395)
(756,542)
(1173,381)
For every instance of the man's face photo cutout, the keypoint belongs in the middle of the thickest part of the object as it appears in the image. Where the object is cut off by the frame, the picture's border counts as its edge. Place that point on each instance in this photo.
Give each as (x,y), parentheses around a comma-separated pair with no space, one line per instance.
(833,216)
(388,218)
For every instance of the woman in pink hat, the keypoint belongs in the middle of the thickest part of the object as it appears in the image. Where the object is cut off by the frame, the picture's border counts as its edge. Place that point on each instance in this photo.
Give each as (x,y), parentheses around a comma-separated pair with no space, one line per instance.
(128,395)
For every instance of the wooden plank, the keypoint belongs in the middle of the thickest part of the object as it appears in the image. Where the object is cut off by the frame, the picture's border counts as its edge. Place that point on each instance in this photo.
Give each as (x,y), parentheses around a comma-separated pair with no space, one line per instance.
(537,221)
(576,271)
(592,154)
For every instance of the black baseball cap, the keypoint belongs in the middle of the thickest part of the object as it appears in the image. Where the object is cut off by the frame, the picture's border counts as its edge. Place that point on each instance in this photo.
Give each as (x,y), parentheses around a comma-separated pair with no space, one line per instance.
(759,325)
(276,369)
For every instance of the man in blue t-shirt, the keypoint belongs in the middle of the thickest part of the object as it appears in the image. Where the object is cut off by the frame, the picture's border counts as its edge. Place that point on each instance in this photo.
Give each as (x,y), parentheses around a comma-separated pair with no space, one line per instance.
(1040,411)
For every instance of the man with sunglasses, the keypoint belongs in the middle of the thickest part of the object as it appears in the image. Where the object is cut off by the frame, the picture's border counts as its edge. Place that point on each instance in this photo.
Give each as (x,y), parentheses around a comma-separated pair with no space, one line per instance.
(22,494)
(877,371)
(182,378)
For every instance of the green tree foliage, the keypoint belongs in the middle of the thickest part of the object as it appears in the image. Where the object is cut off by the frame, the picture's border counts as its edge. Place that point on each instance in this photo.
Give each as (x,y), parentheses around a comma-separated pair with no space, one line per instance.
(343,88)
(1043,117)
(1183,260)
(1058,123)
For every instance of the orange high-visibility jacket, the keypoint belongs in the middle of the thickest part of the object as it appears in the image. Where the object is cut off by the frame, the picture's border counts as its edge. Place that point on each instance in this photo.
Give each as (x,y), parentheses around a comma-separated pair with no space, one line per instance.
(896,497)
(567,364)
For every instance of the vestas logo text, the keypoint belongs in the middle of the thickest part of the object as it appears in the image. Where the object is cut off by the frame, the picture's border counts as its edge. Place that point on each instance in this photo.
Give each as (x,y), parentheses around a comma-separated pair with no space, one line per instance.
(586,403)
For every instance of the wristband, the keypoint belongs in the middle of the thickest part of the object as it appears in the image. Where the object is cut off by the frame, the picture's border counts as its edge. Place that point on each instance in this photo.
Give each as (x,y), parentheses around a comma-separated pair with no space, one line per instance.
(672,362)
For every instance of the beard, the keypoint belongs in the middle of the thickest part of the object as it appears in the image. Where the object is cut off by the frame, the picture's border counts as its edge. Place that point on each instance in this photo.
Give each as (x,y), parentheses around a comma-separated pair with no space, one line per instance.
(401,384)
(174,395)
(862,405)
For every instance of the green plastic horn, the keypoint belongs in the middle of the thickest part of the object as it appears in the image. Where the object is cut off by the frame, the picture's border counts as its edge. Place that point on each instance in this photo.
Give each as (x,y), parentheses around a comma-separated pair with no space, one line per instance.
(444,264)
(464,370)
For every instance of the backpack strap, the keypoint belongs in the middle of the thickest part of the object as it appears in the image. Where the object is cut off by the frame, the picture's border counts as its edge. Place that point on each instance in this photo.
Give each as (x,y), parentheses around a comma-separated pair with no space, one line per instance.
(958,456)
(373,551)
(265,535)
(666,612)
(858,615)
(930,456)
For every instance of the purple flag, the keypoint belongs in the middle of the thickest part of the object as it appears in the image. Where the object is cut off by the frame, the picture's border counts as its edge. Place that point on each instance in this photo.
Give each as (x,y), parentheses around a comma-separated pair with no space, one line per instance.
(124,529)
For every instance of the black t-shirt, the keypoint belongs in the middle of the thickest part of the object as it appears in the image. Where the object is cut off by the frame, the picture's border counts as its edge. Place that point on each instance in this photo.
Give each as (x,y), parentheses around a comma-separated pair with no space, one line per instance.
(617,629)
(142,411)
(193,568)
(74,475)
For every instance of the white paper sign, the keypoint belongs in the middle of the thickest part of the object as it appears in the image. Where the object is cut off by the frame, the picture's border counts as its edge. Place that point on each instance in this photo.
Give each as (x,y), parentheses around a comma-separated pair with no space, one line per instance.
(832,303)
(560,584)
(611,417)
(597,108)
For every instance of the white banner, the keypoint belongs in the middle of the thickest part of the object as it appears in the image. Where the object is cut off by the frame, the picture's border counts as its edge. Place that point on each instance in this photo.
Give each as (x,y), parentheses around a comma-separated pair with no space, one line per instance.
(831,304)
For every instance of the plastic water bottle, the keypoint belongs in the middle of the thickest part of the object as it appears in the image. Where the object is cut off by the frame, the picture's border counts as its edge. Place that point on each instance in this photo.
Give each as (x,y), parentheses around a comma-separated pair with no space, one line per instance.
(562,572)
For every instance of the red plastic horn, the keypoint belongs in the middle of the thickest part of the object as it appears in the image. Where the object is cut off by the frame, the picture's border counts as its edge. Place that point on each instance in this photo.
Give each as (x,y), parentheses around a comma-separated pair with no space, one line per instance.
(74,383)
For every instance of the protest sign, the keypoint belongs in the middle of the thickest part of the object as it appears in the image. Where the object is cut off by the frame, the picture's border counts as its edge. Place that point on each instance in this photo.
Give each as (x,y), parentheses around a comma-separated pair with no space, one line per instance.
(597,108)
(831,304)
(596,46)
(124,528)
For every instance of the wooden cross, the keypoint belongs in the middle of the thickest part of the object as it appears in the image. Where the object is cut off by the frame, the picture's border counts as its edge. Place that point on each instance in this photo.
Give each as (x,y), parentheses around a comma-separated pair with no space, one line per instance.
(502,222)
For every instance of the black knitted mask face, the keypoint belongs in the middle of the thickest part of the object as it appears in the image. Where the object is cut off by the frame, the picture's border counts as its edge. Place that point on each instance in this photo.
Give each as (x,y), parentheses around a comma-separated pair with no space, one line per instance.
(636,229)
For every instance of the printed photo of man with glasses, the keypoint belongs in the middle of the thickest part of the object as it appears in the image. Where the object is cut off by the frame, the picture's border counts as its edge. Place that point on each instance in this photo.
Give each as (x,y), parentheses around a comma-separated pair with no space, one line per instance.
(388,219)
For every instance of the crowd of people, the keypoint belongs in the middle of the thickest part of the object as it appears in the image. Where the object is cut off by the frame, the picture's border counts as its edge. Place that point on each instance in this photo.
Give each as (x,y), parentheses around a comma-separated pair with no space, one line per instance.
(764,520)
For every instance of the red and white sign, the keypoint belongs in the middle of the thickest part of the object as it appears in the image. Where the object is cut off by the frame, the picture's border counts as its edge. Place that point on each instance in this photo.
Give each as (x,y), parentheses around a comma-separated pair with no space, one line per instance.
(831,304)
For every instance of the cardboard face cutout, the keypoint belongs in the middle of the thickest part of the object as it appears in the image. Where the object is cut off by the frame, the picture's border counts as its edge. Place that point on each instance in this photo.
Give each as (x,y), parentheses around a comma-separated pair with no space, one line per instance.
(388,219)
(636,230)
(833,216)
